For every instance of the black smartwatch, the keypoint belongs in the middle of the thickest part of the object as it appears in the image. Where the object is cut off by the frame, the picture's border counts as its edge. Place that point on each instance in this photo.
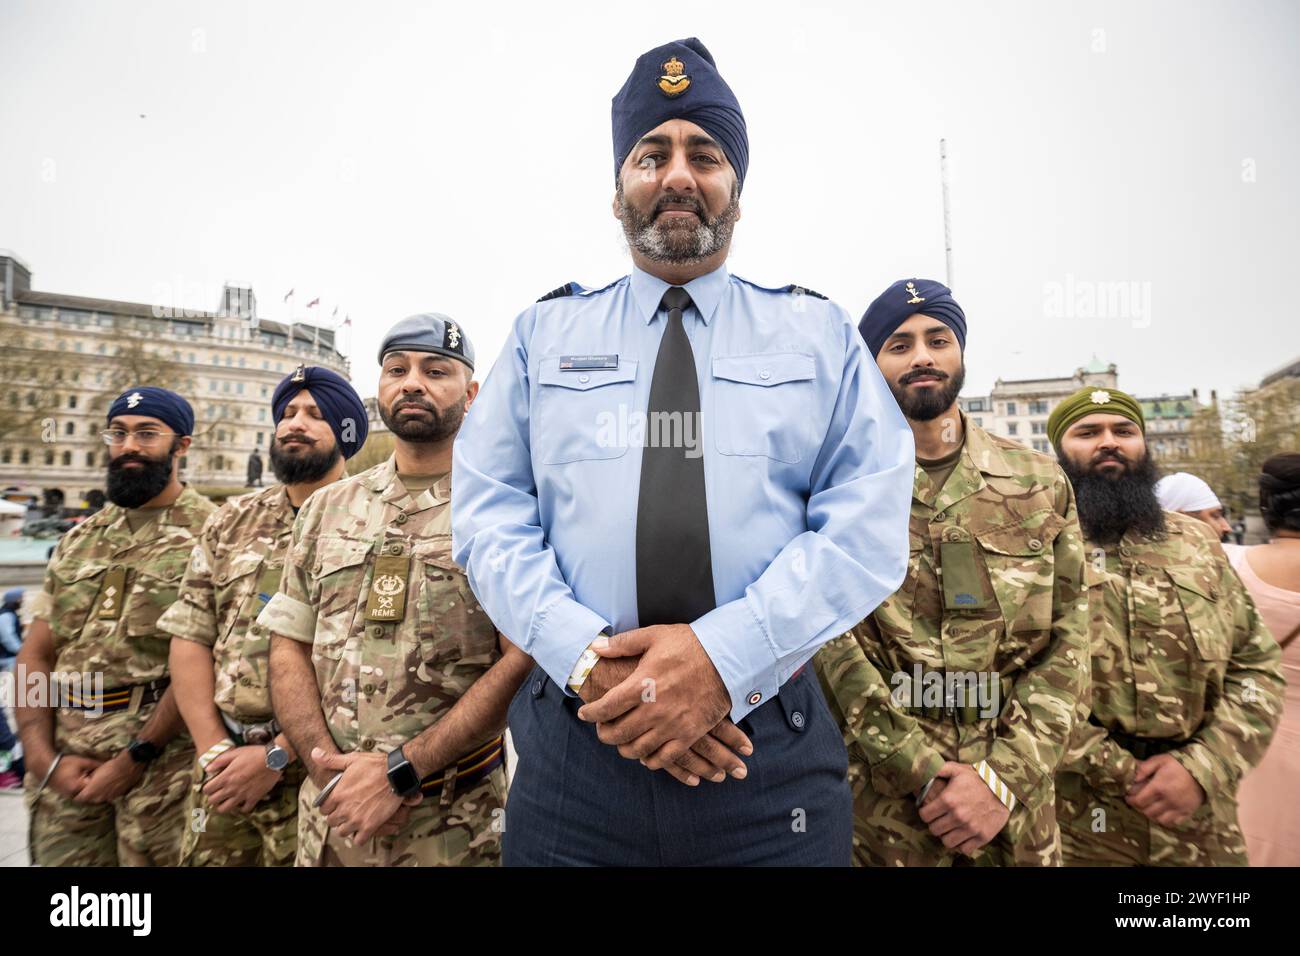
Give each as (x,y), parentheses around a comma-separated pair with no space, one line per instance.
(142,751)
(402,778)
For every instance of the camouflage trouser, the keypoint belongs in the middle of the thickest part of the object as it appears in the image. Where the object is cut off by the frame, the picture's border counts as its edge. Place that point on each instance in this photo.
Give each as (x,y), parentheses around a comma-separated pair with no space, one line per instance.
(1100,829)
(466,831)
(141,828)
(268,836)
(888,831)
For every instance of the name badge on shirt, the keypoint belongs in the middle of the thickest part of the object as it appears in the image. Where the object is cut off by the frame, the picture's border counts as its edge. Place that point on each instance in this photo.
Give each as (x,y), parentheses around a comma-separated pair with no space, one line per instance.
(108,603)
(581,363)
(387,601)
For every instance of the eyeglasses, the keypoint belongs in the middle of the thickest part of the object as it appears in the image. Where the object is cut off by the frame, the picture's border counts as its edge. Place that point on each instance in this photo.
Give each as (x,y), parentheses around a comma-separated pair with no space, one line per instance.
(145,437)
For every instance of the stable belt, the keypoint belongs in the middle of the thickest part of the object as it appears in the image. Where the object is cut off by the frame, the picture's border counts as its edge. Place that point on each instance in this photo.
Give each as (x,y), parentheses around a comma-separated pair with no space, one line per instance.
(470,768)
(244,733)
(126,697)
(1143,748)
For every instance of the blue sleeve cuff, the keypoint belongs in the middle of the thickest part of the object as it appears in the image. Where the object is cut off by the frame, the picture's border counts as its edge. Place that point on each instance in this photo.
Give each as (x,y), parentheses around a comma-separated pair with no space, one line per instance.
(735,641)
(560,634)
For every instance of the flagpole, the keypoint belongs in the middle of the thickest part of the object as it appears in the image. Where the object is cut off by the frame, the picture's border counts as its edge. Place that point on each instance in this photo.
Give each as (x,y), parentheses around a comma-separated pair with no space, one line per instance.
(947,216)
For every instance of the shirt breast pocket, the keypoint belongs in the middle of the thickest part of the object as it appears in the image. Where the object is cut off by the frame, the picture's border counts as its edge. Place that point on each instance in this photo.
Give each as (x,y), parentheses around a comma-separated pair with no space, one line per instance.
(1022,570)
(153,590)
(454,629)
(75,598)
(763,403)
(234,592)
(582,415)
(337,578)
(1198,593)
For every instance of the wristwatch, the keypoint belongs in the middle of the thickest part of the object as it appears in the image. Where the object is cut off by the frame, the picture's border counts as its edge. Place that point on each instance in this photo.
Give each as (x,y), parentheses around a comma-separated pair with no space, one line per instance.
(277,758)
(402,778)
(142,751)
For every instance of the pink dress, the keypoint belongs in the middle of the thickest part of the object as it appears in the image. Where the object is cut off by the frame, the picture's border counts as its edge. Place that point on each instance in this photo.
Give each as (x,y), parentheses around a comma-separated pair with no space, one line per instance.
(1269,796)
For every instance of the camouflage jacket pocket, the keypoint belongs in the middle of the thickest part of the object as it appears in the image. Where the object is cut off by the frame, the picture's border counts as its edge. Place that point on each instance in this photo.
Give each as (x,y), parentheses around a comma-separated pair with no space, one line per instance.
(1198,593)
(234,585)
(453,627)
(338,581)
(78,586)
(154,588)
(1019,558)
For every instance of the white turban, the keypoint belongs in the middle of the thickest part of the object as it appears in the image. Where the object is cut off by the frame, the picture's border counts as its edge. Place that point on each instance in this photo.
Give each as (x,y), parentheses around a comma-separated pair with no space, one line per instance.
(1184,492)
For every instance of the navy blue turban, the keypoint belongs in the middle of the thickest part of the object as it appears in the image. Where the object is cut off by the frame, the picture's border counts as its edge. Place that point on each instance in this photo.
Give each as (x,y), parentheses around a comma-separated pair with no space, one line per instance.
(679,81)
(338,401)
(168,407)
(904,299)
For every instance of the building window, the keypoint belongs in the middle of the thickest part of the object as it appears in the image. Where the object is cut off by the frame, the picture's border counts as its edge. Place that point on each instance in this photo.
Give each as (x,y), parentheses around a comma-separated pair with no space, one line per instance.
(49,456)
(259,438)
(1011,410)
(72,401)
(1038,428)
(69,428)
(67,459)
(1011,428)
(7,455)
(193,359)
(1037,408)
(1040,445)
(261,414)
(239,387)
(25,457)
(212,385)
(90,459)
(225,386)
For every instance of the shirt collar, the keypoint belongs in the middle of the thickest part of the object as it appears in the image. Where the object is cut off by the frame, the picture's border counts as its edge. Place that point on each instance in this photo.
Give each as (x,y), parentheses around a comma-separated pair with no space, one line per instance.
(705,291)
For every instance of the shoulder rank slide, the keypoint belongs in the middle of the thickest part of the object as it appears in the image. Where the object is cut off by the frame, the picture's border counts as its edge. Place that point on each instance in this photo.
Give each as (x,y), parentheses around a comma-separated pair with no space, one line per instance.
(569,288)
(803,290)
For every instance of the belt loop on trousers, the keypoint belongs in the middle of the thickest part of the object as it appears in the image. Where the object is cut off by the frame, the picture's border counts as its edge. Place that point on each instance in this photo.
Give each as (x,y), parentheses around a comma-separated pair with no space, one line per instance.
(137,697)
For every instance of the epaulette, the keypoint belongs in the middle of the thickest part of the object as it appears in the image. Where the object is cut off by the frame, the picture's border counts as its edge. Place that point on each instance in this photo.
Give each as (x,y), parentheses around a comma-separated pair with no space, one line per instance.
(803,290)
(573,288)
(569,288)
(794,289)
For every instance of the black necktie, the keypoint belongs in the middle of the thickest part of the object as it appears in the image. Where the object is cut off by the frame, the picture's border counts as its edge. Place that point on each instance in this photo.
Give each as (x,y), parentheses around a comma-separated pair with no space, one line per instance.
(674,566)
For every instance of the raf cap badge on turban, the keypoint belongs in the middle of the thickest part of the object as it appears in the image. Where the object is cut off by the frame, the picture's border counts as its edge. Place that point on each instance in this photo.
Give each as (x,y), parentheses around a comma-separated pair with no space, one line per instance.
(674,81)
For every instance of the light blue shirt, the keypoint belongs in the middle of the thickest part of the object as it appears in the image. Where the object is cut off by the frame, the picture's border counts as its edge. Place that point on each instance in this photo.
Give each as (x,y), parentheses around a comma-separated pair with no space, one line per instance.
(808,468)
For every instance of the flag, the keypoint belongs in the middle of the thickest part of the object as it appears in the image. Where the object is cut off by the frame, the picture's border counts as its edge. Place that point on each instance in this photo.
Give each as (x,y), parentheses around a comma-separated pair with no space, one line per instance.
(347,321)
(313,302)
(336,313)
(288,295)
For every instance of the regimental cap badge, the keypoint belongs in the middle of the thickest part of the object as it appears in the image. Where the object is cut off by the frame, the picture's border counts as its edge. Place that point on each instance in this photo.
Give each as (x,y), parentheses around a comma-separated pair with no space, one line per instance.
(134,399)
(674,81)
(1100,397)
(300,374)
(453,336)
(915,299)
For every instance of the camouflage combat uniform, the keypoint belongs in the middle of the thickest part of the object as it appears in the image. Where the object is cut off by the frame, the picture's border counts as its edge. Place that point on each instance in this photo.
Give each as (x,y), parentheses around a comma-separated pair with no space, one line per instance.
(234,571)
(1179,656)
(382,683)
(98,629)
(1008,606)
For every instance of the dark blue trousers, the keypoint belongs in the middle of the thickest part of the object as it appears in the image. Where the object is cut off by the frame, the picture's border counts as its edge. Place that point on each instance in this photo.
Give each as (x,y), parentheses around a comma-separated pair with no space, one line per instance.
(575,801)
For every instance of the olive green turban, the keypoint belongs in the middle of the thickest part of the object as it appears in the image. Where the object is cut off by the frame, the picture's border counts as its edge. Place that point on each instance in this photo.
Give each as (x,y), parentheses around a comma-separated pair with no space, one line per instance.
(1087,401)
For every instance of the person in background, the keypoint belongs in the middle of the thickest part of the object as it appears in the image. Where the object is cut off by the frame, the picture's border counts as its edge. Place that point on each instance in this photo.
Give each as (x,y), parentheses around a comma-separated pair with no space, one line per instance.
(11,639)
(1268,810)
(1239,531)
(1189,495)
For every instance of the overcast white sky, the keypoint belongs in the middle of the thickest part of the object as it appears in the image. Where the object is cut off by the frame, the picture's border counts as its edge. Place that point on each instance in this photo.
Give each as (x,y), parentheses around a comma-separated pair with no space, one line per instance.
(400,157)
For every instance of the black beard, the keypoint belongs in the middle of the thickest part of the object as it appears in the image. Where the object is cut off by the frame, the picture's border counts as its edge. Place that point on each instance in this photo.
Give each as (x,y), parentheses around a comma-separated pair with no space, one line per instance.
(681,243)
(439,427)
(928,404)
(1111,505)
(302,467)
(132,488)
